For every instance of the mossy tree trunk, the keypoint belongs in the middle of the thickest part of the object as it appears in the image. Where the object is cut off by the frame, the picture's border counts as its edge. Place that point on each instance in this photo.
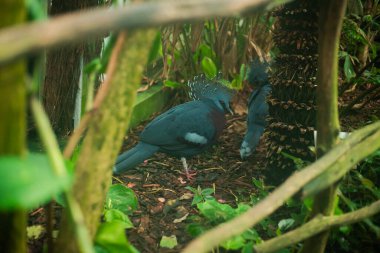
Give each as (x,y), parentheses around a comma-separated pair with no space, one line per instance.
(63,69)
(292,104)
(332,14)
(105,134)
(12,127)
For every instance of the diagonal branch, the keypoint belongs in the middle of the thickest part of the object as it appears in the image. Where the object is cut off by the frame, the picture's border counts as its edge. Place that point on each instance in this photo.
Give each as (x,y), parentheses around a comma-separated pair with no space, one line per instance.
(24,39)
(315,226)
(339,156)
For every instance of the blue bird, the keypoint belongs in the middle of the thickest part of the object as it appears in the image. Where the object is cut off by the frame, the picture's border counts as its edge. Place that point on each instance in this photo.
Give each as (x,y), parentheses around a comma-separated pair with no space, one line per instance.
(257,107)
(184,130)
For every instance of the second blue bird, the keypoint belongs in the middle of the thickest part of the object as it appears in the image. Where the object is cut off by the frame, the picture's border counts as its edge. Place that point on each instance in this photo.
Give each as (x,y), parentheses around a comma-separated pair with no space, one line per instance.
(186,129)
(257,107)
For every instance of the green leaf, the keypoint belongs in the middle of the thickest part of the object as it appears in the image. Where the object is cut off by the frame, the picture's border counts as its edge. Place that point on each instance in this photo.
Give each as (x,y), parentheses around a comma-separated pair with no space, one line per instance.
(197,199)
(208,67)
(308,203)
(234,243)
(192,189)
(252,235)
(93,66)
(118,216)
(168,241)
(172,84)
(237,83)
(258,183)
(285,224)
(156,48)
(243,72)
(195,229)
(121,198)
(28,181)
(110,238)
(248,248)
(215,211)
(348,68)
(207,191)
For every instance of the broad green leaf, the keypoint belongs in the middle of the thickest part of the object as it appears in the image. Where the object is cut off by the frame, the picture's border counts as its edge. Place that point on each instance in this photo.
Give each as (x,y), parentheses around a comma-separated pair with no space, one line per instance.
(197,199)
(118,216)
(237,83)
(208,67)
(168,242)
(252,235)
(192,189)
(110,238)
(285,224)
(195,229)
(121,198)
(234,243)
(214,211)
(28,181)
(248,248)
(348,68)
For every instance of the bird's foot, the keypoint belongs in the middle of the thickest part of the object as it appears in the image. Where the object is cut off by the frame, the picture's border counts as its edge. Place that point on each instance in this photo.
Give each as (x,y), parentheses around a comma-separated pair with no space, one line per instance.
(190,174)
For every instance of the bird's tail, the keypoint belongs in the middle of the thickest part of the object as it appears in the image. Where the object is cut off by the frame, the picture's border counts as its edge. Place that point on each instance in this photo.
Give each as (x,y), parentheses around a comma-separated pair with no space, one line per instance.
(133,157)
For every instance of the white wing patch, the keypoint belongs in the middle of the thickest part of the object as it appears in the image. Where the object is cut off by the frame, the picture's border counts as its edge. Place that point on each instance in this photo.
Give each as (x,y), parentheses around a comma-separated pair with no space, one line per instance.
(195,138)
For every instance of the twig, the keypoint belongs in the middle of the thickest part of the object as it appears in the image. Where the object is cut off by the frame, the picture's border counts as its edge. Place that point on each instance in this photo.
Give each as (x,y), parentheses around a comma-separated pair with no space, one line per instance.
(24,39)
(291,186)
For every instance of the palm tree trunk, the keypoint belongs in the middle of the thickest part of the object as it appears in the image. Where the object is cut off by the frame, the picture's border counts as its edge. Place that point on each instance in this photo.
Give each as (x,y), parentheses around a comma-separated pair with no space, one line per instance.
(292,104)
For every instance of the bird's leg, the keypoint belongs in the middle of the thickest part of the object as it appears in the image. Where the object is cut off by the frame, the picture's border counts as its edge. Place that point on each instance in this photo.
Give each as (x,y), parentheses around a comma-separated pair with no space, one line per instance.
(189,174)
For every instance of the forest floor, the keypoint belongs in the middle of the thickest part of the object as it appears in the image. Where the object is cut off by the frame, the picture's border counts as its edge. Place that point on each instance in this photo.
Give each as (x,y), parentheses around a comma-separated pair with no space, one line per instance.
(165,203)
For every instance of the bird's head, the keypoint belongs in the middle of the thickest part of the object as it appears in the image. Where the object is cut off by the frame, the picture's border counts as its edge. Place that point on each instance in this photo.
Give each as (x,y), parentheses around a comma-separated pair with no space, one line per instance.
(201,88)
(258,74)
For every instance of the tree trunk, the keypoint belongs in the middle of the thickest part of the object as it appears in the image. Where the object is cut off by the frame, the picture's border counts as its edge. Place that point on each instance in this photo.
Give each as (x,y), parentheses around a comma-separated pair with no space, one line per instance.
(292,105)
(106,131)
(332,14)
(63,68)
(12,127)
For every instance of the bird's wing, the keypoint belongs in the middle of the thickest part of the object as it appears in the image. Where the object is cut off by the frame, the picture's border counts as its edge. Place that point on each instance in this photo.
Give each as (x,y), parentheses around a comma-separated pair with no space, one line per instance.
(183,125)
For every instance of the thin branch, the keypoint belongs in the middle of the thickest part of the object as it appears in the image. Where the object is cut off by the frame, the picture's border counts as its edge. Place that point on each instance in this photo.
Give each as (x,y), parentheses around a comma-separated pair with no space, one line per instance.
(59,168)
(315,226)
(24,39)
(291,186)
(102,93)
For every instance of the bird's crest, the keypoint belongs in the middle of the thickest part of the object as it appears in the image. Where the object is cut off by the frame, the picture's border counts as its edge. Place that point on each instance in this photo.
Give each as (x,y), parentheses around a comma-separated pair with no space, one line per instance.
(202,87)
(258,74)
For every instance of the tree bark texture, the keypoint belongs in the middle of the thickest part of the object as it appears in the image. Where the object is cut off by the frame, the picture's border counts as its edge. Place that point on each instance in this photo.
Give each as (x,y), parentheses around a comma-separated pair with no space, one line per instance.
(292,104)
(12,127)
(106,131)
(63,71)
(331,19)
